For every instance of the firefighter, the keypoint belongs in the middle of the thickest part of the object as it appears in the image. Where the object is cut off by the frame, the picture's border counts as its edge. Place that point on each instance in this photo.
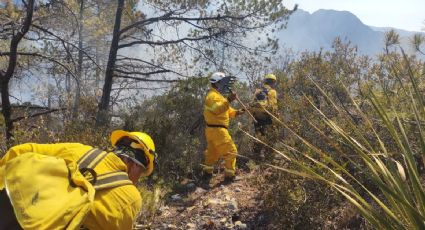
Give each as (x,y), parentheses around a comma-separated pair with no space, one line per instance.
(116,200)
(217,115)
(265,99)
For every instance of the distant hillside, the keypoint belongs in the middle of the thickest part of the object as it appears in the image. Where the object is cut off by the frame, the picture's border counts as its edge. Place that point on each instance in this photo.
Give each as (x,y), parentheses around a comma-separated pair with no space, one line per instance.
(311,32)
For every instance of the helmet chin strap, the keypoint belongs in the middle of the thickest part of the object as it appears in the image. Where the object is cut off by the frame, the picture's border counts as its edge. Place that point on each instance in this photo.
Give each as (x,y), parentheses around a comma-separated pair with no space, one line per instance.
(128,153)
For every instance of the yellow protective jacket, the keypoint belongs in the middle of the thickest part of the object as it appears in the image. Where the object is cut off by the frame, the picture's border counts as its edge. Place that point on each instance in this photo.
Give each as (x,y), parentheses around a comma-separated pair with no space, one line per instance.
(271,98)
(114,208)
(258,107)
(217,109)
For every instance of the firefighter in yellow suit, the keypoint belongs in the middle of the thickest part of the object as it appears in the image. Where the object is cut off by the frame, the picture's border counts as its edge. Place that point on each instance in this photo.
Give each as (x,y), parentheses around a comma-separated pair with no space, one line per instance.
(114,208)
(265,98)
(217,114)
(269,83)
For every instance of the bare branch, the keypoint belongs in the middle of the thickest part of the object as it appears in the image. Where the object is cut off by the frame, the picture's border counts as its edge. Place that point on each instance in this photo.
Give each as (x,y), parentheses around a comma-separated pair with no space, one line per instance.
(146,22)
(45,57)
(201,52)
(167,17)
(141,73)
(69,43)
(151,64)
(147,80)
(37,114)
(30,106)
(159,43)
(140,88)
(239,46)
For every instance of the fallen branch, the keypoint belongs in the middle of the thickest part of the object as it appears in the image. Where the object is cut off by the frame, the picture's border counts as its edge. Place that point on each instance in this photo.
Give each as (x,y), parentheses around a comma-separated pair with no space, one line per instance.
(37,114)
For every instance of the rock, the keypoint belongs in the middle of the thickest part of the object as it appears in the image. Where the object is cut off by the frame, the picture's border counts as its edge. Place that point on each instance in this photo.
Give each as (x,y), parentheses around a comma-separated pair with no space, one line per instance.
(212,202)
(176,197)
(209,224)
(191,187)
(171,226)
(261,203)
(162,209)
(191,226)
(240,225)
(141,226)
(232,205)
(223,220)
(238,190)
(236,217)
(225,190)
(229,226)
(181,209)
(200,190)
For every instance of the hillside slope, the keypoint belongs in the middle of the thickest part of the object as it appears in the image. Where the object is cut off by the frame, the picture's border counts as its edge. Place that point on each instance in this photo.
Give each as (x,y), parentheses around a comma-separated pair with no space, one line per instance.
(232,206)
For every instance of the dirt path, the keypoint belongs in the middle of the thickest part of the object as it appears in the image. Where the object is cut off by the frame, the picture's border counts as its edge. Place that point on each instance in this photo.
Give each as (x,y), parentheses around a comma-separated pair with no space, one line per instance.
(231,206)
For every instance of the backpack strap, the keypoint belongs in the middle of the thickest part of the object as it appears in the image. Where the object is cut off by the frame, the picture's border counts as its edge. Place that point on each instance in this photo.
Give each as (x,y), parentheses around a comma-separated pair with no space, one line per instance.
(112,180)
(265,92)
(90,160)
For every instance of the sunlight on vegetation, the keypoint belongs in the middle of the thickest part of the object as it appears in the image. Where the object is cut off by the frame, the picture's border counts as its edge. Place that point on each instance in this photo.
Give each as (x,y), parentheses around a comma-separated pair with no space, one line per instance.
(393,195)
(346,149)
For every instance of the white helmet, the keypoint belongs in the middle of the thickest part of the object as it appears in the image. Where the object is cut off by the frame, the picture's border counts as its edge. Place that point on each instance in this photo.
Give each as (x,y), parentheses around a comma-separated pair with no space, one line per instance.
(216,77)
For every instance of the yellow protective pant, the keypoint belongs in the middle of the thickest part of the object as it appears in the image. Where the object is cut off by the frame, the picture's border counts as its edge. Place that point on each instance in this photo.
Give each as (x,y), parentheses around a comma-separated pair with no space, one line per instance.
(220,145)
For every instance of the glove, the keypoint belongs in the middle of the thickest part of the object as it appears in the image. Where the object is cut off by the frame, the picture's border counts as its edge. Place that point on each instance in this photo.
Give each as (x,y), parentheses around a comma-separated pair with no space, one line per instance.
(240,112)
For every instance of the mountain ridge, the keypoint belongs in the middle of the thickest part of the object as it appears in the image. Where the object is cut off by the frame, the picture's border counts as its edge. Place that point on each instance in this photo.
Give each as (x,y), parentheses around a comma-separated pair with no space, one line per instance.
(314,31)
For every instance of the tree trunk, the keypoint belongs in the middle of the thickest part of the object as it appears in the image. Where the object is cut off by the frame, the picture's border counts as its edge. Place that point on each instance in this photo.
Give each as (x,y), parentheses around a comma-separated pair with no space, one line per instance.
(6,110)
(98,71)
(6,76)
(102,114)
(80,61)
(98,58)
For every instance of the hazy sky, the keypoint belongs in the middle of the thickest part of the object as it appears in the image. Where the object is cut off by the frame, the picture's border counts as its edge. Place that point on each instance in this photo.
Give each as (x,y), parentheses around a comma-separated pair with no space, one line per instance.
(401,14)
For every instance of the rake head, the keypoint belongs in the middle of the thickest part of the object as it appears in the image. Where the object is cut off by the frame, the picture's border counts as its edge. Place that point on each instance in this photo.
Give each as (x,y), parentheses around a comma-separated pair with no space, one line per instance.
(226,84)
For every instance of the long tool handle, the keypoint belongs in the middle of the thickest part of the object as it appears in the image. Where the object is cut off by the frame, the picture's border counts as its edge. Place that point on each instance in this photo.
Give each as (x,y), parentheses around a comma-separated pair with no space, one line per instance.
(246,109)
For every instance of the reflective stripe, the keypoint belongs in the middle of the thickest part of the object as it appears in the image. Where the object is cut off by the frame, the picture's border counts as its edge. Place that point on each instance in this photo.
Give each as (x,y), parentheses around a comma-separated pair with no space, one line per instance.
(116,183)
(111,174)
(111,180)
(207,168)
(97,160)
(85,155)
(92,159)
(229,172)
(105,181)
